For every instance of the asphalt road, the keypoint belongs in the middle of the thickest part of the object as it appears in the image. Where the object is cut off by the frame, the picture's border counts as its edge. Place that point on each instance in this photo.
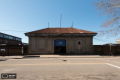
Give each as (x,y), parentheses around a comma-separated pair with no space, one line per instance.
(63,68)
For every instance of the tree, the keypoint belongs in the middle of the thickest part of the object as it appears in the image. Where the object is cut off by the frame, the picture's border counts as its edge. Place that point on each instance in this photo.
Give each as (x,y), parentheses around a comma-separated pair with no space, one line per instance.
(111,8)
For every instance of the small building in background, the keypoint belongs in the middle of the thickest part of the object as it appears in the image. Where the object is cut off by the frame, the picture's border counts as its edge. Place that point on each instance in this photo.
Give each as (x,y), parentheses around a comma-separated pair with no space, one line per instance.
(112,44)
(60,40)
(6,39)
(118,41)
(23,43)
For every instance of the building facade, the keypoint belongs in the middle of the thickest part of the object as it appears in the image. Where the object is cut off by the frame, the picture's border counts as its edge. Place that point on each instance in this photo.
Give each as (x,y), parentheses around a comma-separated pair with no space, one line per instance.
(6,39)
(60,41)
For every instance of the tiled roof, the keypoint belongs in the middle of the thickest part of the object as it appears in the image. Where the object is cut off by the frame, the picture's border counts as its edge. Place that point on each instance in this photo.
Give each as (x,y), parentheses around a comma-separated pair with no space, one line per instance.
(59,30)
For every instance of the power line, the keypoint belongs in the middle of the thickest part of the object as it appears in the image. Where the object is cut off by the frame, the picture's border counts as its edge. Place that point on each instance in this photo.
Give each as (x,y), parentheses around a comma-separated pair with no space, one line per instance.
(14,30)
(99,40)
(28,31)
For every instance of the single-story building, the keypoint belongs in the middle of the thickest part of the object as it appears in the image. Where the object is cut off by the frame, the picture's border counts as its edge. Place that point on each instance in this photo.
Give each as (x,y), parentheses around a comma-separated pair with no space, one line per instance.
(60,40)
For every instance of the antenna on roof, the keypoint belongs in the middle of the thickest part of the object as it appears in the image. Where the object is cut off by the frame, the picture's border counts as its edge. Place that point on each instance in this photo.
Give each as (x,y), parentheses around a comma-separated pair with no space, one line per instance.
(48,24)
(72,25)
(48,29)
(60,23)
(60,20)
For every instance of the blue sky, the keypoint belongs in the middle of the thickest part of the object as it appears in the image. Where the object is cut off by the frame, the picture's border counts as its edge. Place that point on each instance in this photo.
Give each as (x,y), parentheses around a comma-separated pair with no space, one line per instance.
(20,16)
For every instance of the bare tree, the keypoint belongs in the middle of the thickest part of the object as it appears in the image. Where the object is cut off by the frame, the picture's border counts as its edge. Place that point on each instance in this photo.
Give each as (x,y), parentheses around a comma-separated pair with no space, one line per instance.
(111,8)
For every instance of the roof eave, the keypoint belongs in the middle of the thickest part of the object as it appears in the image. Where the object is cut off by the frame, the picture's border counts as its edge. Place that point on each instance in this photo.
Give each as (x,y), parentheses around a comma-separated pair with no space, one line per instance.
(62,34)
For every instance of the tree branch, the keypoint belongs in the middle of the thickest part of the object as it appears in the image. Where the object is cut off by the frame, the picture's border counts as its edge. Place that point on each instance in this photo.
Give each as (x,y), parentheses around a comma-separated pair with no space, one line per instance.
(114,32)
(111,22)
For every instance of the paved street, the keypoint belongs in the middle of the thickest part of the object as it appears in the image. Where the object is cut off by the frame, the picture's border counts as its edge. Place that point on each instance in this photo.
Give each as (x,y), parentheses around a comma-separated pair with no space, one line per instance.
(71,68)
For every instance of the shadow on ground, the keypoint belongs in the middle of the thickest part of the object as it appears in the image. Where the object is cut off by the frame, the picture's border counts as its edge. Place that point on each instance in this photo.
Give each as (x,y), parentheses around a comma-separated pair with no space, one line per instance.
(3,60)
(31,56)
(17,58)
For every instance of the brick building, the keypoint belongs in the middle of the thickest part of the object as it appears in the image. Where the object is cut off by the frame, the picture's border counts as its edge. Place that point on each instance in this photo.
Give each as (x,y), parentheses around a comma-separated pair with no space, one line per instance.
(60,40)
(6,39)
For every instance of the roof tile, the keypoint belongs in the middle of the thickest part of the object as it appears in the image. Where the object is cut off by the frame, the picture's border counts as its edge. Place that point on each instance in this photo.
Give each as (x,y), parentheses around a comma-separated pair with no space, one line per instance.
(59,30)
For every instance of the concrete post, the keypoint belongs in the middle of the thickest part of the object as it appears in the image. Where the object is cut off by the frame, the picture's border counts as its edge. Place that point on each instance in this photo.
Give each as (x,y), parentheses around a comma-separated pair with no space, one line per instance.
(22,50)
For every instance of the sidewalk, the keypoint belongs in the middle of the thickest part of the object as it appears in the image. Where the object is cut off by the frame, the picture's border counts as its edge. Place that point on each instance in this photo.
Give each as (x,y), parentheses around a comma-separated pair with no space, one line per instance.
(11,57)
(53,56)
(73,56)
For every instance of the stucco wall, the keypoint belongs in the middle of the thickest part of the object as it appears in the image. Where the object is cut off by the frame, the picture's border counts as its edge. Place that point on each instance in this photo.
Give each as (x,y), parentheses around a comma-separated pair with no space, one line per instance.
(45,45)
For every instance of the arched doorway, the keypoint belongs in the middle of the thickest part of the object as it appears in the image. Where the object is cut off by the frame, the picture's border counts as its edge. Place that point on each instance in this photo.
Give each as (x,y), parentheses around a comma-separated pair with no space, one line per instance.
(60,46)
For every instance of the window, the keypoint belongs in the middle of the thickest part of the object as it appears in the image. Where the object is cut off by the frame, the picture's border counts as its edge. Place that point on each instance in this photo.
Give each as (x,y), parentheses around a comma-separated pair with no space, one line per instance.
(14,38)
(18,39)
(6,36)
(1,35)
(10,37)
